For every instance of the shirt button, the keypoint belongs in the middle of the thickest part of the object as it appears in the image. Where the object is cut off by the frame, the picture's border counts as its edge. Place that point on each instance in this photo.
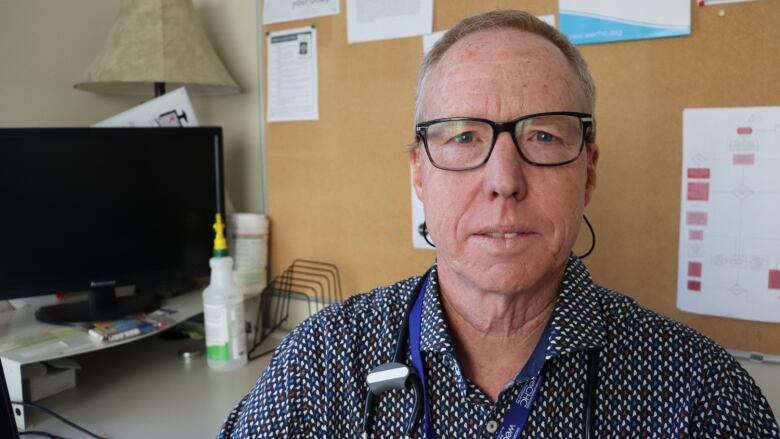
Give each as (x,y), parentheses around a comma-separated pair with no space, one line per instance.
(491,426)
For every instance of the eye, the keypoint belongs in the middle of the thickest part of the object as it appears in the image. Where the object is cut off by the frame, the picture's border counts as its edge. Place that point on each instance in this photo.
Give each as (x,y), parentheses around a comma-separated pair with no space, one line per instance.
(464,137)
(545,137)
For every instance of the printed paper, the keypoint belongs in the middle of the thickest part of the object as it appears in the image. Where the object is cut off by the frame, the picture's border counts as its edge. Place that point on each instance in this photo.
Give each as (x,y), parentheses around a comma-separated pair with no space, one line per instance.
(729,248)
(386,19)
(278,11)
(601,21)
(172,109)
(293,90)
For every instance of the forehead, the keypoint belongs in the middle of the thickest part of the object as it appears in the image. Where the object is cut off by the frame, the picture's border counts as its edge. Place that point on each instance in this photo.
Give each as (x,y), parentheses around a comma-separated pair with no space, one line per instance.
(502,74)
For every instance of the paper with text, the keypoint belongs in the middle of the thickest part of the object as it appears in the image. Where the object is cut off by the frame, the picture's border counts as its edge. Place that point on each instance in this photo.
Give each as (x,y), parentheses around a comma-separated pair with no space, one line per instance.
(172,109)
(279,11)
(293,89)
(371,20)
(602,21)
(729,248)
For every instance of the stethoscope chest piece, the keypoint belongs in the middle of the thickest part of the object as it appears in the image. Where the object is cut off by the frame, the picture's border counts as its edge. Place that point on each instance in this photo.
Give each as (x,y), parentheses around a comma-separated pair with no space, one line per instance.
(394,376)
(388,376)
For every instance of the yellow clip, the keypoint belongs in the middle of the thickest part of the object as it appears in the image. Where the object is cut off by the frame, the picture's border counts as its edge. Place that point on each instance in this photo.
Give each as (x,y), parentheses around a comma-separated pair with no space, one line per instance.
(220,243)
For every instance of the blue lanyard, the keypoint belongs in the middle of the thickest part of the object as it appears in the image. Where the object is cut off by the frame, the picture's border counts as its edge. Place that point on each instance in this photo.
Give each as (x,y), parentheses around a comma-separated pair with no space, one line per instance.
(517,415)
(520,408)
(415,320)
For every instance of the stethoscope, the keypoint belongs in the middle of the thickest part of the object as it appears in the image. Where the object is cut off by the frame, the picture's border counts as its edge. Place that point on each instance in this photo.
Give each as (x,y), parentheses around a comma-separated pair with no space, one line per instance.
(398,375)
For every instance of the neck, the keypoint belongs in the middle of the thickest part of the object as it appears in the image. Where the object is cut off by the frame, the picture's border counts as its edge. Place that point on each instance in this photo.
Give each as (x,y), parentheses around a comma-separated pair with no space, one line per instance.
(496,315)
(494,333)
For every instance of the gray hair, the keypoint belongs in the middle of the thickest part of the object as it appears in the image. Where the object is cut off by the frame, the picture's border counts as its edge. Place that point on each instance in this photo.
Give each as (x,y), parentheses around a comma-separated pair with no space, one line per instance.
(510,19)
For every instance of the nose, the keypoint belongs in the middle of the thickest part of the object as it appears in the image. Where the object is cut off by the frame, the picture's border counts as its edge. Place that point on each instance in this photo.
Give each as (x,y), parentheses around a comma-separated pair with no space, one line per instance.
(504,175)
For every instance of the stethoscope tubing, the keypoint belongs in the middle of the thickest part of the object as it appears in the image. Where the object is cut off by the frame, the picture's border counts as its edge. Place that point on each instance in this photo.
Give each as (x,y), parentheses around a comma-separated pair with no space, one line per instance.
(401,346)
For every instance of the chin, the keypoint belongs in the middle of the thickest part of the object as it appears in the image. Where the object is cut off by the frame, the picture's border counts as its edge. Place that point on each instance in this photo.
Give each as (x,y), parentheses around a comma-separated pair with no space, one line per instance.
(508,277)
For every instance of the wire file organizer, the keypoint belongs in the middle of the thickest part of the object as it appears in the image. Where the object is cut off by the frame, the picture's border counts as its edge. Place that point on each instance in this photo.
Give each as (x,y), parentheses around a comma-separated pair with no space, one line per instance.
(318,283)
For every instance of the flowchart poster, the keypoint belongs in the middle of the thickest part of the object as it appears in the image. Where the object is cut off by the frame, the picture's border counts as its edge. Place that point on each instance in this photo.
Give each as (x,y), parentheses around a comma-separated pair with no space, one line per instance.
(603,21)
(729,255)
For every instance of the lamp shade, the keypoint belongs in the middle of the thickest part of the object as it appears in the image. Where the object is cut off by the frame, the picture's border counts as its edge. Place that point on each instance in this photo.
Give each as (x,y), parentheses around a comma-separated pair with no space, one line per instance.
(157,41)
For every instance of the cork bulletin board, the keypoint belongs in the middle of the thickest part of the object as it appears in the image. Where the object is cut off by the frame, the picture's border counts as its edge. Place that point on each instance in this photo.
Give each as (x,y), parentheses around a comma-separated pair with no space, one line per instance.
(339,190)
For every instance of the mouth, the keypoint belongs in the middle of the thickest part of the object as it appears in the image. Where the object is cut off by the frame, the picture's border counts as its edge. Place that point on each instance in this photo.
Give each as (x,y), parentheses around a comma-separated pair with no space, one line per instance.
(503,241)
(504,234)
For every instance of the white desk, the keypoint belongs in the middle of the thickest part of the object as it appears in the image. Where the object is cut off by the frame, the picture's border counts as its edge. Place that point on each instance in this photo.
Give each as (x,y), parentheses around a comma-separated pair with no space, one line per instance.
(137,387)
(143,390)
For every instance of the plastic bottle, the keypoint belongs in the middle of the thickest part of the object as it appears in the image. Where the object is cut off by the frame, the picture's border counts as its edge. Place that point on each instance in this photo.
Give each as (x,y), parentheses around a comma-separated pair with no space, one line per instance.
(223,309)
(249,240)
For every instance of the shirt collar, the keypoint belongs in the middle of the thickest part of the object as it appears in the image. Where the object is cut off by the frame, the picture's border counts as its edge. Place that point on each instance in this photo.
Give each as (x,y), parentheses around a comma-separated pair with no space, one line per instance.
(576,323)
(433,329)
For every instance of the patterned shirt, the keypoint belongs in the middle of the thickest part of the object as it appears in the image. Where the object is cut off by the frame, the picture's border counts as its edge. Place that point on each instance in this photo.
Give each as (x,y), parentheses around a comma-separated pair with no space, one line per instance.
(656,377)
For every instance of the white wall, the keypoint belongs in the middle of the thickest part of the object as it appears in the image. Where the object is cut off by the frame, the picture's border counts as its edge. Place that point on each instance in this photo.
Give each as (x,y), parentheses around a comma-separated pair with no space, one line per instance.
(46,45)
(232,28)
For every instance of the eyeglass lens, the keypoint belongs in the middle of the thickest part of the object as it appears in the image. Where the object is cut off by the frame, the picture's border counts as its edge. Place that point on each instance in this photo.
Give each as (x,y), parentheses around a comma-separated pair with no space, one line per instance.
(550,139)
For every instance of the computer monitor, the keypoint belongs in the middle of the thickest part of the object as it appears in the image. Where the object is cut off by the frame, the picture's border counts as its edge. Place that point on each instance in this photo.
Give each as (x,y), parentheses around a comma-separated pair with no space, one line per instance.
(92,209)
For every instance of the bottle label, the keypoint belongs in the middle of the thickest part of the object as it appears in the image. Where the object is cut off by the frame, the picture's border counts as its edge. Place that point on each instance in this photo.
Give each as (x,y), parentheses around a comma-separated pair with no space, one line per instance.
(215,318)
(237,331)
(251,255)
(225,334)
(218,352)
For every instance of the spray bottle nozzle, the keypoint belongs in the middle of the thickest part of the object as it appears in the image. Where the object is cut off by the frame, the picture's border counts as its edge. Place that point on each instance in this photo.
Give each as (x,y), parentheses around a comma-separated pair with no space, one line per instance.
(220,243)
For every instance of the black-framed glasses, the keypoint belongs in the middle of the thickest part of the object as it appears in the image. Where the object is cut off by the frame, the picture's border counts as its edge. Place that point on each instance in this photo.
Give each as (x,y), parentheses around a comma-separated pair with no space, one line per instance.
(542,139)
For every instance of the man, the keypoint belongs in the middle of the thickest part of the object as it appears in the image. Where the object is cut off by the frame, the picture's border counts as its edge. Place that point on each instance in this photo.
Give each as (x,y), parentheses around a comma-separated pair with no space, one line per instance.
(510,333)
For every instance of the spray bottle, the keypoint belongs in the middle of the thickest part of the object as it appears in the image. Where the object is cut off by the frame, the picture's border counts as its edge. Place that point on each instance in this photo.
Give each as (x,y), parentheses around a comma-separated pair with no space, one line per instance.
(223,309)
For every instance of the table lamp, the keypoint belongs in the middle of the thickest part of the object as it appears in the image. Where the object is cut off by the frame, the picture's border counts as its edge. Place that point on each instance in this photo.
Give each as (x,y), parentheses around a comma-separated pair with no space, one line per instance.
(153,43)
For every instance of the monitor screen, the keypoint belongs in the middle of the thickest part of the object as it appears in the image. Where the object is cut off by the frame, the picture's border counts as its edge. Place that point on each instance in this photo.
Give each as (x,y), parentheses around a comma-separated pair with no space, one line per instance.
(95,208)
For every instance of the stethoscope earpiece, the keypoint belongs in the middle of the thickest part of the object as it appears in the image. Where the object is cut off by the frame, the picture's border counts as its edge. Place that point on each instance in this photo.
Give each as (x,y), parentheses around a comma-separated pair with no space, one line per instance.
(422,230)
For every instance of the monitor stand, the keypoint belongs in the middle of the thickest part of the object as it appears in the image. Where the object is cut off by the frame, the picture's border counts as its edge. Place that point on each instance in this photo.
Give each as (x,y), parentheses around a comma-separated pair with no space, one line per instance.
(103,304)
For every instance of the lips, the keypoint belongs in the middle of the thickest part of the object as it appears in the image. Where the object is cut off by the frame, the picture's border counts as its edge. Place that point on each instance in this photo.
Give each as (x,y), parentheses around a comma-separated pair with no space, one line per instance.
(504,231)
(503,241)
(502,235)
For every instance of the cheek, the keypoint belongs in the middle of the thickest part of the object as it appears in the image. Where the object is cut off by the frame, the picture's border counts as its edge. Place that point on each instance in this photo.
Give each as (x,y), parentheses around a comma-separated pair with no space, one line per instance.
(560,201)
(447,199)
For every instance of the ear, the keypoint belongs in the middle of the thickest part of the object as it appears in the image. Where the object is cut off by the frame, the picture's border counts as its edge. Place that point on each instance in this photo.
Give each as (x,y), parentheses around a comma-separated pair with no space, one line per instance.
(590,181)
(415,164)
